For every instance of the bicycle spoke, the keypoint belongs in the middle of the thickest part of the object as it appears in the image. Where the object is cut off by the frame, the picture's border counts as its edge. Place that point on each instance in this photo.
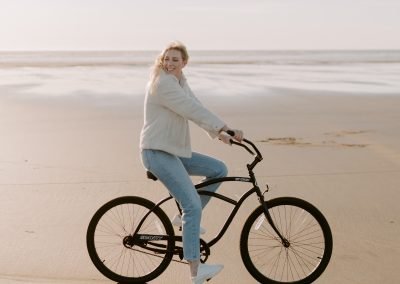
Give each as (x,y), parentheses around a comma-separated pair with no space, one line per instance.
(110,237)
(265,254)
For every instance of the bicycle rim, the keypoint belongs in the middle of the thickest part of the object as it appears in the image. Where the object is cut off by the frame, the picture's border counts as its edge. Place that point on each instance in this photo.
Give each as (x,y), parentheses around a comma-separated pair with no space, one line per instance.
(308,233)
(117,220)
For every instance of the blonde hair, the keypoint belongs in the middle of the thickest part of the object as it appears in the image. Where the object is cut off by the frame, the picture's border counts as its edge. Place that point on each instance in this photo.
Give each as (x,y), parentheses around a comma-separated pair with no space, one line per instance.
(158,63)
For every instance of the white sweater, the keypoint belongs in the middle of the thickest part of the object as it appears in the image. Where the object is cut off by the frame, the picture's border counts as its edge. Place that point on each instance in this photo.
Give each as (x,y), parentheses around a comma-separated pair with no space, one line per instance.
(166,115)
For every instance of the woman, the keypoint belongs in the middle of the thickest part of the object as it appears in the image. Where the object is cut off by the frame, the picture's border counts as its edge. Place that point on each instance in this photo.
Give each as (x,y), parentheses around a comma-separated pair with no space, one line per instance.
(166,151)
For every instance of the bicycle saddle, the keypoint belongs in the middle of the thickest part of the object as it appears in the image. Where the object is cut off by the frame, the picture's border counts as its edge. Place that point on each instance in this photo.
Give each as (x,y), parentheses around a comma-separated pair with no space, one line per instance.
(151,176)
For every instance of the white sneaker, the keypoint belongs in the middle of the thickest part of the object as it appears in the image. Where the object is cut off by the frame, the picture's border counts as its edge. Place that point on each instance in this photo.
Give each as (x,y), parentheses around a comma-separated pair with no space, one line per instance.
(177,222)
(206,272)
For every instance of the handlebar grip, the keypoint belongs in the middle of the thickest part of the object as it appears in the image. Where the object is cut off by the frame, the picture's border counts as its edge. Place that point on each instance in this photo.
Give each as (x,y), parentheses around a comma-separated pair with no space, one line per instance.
(231,133)
(259,156)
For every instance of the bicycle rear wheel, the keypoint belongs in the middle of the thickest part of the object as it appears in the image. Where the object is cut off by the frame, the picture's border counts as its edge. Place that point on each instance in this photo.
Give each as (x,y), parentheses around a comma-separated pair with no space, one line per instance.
(110,228)
(310,242)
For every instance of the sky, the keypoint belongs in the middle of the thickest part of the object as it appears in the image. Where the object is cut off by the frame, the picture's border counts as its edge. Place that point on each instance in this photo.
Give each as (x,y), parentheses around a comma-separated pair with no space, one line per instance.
(200,24)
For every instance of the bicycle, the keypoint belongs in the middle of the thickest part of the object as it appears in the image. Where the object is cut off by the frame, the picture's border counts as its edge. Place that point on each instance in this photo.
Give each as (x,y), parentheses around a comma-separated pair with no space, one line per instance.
(284,240)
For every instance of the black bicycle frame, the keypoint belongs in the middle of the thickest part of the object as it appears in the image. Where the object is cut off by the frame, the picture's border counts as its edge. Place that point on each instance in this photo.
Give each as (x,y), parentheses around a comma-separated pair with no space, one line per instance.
(237,204)
(213,194)
(234,211)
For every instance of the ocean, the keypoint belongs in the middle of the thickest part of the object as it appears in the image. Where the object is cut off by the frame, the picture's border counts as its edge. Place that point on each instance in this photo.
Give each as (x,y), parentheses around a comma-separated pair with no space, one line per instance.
(222,73)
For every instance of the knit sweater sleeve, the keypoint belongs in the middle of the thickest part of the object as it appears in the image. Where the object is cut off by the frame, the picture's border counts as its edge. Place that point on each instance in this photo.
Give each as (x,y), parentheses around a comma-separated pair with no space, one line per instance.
(173,97)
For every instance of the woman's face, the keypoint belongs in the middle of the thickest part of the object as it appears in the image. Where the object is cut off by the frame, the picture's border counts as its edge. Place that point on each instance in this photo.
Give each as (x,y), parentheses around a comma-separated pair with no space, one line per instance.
(173,62)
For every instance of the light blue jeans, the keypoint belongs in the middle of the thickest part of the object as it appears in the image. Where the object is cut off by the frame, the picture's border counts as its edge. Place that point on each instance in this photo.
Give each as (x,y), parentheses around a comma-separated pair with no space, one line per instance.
(174,172)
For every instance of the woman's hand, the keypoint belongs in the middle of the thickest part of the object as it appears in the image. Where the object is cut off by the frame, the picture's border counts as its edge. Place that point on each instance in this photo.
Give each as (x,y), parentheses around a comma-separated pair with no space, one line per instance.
(226,137)
(238,134)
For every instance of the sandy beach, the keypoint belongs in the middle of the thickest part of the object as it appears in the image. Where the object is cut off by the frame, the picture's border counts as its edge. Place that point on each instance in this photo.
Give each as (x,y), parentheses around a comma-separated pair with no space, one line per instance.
(62,158)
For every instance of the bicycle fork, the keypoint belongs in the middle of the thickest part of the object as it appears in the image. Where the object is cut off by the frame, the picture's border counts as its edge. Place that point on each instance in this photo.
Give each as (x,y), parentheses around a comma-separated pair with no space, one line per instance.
(284,241)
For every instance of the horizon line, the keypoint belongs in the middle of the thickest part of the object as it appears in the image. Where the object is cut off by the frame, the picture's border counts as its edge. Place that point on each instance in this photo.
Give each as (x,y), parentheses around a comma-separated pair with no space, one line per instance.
(218,49)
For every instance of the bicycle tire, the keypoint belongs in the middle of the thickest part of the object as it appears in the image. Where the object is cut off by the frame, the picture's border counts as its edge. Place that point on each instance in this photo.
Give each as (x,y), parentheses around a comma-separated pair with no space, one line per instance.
(111,224)
(303,225)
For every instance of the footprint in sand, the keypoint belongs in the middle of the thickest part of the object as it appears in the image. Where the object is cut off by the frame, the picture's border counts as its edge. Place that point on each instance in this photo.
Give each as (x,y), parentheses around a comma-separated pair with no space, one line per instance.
(293,141)
(286,141)
(346,132)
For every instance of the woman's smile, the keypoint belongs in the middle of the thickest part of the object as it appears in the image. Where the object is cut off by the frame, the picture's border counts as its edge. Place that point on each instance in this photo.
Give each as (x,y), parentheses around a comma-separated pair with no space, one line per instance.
(173,63)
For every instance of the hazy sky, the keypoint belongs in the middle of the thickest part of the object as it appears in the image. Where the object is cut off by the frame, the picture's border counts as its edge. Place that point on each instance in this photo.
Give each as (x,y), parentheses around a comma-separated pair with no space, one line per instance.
(200,24)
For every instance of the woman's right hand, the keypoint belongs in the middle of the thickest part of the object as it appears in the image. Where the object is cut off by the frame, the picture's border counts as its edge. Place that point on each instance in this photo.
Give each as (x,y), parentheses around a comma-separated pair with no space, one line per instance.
(238,134)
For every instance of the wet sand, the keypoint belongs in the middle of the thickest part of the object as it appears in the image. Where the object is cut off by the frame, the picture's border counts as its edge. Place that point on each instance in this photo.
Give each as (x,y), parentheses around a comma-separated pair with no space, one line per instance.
(62,158)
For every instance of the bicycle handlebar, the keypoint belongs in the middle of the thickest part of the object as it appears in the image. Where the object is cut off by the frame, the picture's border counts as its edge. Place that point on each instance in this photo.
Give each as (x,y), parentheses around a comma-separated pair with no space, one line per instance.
(258,156)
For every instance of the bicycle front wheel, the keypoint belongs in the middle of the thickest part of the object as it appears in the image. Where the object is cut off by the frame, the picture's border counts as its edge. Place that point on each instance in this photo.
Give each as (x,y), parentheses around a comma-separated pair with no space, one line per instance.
(299,261)
(110,228)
